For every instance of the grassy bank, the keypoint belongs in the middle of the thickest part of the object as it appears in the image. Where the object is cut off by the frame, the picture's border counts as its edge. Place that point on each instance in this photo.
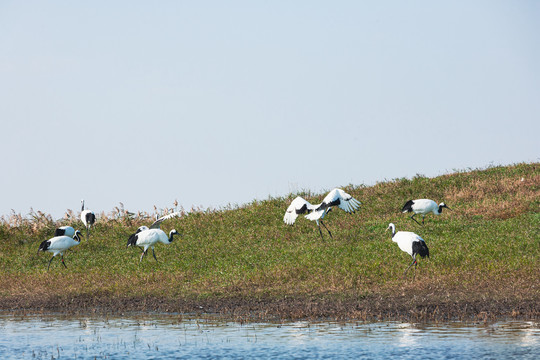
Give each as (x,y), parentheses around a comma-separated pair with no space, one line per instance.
(485,257)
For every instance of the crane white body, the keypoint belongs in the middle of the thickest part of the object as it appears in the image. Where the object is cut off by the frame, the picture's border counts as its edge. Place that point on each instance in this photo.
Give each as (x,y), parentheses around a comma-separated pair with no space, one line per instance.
(88,218)
(423,207)
(336,197)
(410,243)
(58,245)
(146,237)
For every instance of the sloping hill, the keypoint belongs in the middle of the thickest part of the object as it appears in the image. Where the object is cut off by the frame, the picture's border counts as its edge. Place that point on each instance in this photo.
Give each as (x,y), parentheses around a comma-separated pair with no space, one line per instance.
(245,262)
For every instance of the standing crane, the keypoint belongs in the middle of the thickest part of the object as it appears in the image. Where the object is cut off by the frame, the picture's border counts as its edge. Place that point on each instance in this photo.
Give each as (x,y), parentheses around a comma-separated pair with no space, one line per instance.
(88,218)
(58,245)
(146,237)
(424,207)
(410,243)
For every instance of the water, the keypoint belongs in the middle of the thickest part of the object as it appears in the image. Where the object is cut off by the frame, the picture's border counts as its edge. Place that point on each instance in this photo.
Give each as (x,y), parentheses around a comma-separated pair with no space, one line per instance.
(162,337)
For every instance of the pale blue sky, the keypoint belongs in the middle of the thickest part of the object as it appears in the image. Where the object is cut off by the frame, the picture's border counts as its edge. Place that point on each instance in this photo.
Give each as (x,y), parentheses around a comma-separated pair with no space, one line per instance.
(217,102)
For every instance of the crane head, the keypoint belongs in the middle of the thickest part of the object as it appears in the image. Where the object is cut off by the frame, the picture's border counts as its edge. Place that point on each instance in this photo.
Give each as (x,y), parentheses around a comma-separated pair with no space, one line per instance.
(444,206)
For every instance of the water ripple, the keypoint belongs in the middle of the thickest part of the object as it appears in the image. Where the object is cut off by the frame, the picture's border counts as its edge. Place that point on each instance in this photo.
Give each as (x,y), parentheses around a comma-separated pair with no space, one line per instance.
(161,336)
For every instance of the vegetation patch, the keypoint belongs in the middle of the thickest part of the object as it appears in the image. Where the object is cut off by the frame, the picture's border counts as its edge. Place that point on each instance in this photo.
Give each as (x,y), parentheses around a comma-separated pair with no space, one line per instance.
(243,261)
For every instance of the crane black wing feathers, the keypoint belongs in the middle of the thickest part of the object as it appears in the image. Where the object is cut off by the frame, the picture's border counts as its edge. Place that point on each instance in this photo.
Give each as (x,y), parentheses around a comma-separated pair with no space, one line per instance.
(90,218)
(420,248)
(133,239)
(59,232)
(44,245)
(408,206)
(304,209)
(324,205)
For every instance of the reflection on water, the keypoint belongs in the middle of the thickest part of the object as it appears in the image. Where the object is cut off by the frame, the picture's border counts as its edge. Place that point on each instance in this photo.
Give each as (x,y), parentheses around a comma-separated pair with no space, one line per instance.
(160,336)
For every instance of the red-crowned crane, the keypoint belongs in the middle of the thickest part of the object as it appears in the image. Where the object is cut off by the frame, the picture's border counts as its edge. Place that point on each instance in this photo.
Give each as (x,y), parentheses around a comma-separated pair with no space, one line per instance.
(336,197)
(59,244)
(410,243)
(64,231)
(88,218)
(424,207)
(146,237)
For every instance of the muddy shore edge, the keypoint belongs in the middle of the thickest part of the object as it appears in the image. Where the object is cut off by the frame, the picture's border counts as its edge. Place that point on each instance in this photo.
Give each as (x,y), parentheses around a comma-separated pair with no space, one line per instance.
(409,309)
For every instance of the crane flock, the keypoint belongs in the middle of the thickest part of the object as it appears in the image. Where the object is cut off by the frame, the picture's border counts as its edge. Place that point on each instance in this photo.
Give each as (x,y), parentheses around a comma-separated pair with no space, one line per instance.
(66,237)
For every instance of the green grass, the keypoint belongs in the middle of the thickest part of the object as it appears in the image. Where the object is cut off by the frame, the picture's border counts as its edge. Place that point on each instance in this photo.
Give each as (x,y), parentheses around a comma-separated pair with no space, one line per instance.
(491,238)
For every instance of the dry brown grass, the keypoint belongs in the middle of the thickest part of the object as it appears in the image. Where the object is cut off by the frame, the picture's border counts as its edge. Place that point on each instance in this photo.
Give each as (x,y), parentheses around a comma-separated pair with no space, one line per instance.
(497,199)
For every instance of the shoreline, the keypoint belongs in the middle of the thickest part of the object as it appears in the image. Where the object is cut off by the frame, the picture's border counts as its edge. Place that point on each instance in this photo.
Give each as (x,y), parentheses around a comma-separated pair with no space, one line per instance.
(238,309)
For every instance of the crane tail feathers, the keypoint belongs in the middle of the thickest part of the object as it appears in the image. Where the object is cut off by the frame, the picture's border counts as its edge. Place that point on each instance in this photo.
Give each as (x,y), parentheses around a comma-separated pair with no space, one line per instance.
(407,207)
(420,248)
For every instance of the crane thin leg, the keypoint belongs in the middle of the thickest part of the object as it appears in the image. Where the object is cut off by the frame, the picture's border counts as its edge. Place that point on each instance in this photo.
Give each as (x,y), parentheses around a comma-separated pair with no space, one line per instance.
(50,263)
(320,232)
(326,229)
(413,263)
(142,255)
(412,217)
